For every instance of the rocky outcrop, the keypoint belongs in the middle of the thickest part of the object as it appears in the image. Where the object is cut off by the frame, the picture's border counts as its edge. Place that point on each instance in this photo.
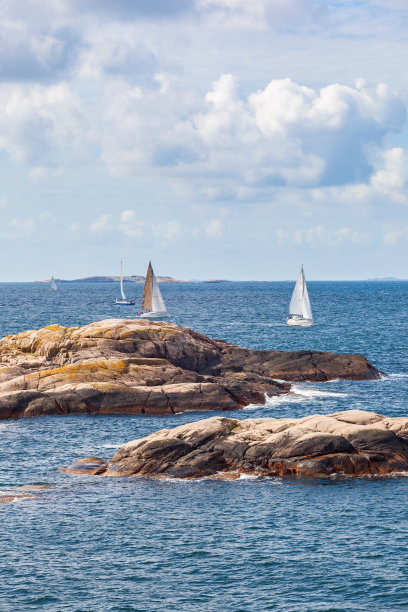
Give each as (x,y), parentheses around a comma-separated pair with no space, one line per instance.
(136,366)
(353,443)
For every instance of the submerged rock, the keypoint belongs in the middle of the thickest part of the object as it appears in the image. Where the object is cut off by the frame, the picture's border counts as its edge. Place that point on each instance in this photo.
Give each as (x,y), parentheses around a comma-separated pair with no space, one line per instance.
(136,366)
(354,443)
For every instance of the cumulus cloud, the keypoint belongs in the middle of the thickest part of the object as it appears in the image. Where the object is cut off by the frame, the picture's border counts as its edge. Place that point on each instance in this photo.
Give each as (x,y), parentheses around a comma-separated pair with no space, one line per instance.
(392,176)
(129,224)
(299,135)
(37,120)
(393,235)
(234,147)
(318,236)
(102,224)
(117,51)
(286,134)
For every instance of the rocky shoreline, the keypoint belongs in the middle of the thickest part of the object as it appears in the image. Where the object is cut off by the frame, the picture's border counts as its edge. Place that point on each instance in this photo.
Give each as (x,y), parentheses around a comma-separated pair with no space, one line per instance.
(122,366)
(352,443)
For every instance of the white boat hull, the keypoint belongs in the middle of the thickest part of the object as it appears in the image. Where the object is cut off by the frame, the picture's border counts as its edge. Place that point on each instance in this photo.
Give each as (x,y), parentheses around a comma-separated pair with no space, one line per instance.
(299,322)
(125,302)
(154,316)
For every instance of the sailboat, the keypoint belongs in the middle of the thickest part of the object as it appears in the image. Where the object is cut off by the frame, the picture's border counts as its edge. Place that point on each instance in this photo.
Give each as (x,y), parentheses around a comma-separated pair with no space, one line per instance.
(123,300)
(153,306)
(53,284)
(300,312)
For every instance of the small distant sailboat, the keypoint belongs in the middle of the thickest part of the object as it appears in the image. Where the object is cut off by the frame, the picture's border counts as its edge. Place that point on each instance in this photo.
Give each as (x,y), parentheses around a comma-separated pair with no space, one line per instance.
(123,300)
(153,306)
(300,312)
(53,284)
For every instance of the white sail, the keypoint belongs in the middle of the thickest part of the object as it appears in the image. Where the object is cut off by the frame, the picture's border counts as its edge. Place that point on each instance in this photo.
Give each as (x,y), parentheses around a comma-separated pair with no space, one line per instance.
(121,283)
(158,304)
(296,303)
(53,284)
(307,311)
(300,304)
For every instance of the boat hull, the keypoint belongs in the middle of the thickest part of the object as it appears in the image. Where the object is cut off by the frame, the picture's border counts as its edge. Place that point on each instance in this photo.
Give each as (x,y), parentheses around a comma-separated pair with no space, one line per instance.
(154,316)
(299,322)
(125,302)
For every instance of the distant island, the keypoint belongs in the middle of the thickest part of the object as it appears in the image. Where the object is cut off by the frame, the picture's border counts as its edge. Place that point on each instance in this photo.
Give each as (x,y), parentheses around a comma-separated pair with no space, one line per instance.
(387,278)
(114,279)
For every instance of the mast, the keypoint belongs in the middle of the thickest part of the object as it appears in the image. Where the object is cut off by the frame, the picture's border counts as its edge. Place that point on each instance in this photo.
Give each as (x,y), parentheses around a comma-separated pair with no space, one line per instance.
(147,291)
(121,282)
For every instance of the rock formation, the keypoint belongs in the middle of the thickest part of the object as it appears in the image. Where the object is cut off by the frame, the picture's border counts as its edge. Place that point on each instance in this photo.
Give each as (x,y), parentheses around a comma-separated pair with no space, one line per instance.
(139,366)
(354,442)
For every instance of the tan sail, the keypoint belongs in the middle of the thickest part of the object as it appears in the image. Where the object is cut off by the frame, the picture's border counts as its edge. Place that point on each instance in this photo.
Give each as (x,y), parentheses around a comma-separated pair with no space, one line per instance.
(147,291)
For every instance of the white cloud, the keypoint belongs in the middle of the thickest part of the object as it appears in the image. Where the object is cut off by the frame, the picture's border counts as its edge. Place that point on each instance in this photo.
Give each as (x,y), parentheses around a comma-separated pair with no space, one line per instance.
(393,235)
(320,236)
(102,224)
(37,121)
(392,177)
(20,228)
(129,224)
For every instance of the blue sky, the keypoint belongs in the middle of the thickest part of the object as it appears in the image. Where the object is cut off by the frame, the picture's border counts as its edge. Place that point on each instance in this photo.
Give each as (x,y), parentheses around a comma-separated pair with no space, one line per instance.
(218,138)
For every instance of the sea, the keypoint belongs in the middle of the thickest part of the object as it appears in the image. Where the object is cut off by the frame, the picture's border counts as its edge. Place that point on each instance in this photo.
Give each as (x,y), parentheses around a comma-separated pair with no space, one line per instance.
(86,543)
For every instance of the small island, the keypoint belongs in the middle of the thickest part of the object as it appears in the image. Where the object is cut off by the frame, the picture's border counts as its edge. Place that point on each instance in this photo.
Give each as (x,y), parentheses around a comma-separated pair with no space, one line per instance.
(122,366)
(353,443)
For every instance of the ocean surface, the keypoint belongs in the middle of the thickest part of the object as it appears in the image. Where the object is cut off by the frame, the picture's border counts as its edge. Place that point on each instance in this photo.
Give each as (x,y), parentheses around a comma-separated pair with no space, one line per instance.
(99,544)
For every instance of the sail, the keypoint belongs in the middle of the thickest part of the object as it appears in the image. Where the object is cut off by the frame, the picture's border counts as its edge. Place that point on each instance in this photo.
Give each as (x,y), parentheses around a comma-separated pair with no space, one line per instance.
(121,283)
(296,303)
(307,311)
(158,304)
(53,284)
(147,291)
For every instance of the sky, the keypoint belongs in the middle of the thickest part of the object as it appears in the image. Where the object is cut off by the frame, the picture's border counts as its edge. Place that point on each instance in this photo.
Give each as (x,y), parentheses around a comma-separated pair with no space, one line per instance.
(218,138)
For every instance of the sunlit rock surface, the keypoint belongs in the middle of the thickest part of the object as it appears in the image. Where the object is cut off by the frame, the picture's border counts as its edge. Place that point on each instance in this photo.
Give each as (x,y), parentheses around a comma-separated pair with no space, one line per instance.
(135,366)
(354,442)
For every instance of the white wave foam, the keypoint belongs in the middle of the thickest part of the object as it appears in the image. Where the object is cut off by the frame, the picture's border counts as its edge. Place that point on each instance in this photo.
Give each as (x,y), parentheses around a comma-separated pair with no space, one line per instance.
(313,392)
(297,394)
(399,375)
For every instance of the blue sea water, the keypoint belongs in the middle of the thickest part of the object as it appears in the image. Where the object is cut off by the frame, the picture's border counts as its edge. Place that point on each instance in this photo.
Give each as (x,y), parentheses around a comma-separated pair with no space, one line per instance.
(100,544)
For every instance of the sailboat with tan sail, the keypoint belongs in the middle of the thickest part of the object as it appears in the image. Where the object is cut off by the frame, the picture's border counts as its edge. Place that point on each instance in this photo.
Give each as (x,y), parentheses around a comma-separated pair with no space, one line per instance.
(153,306)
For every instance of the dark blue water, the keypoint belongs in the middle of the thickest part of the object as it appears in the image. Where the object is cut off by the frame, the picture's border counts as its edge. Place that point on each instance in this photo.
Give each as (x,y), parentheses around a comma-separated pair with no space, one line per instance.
(98,544)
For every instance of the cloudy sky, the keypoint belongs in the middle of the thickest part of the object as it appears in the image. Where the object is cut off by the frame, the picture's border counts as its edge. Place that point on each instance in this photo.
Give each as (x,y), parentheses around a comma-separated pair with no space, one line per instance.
(219,138)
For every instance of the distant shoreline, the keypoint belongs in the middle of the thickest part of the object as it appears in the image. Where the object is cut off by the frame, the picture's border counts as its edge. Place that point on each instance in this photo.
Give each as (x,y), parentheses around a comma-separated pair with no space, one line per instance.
(170,280)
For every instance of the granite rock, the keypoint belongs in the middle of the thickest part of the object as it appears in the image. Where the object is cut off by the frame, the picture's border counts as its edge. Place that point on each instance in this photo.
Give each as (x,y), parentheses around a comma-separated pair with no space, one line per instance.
(138,366)
(353,443)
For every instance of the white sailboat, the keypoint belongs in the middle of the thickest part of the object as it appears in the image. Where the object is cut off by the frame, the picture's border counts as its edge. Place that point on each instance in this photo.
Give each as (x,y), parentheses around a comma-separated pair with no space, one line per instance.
(123,300)
(53,284)
(153,306)
(300,312)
